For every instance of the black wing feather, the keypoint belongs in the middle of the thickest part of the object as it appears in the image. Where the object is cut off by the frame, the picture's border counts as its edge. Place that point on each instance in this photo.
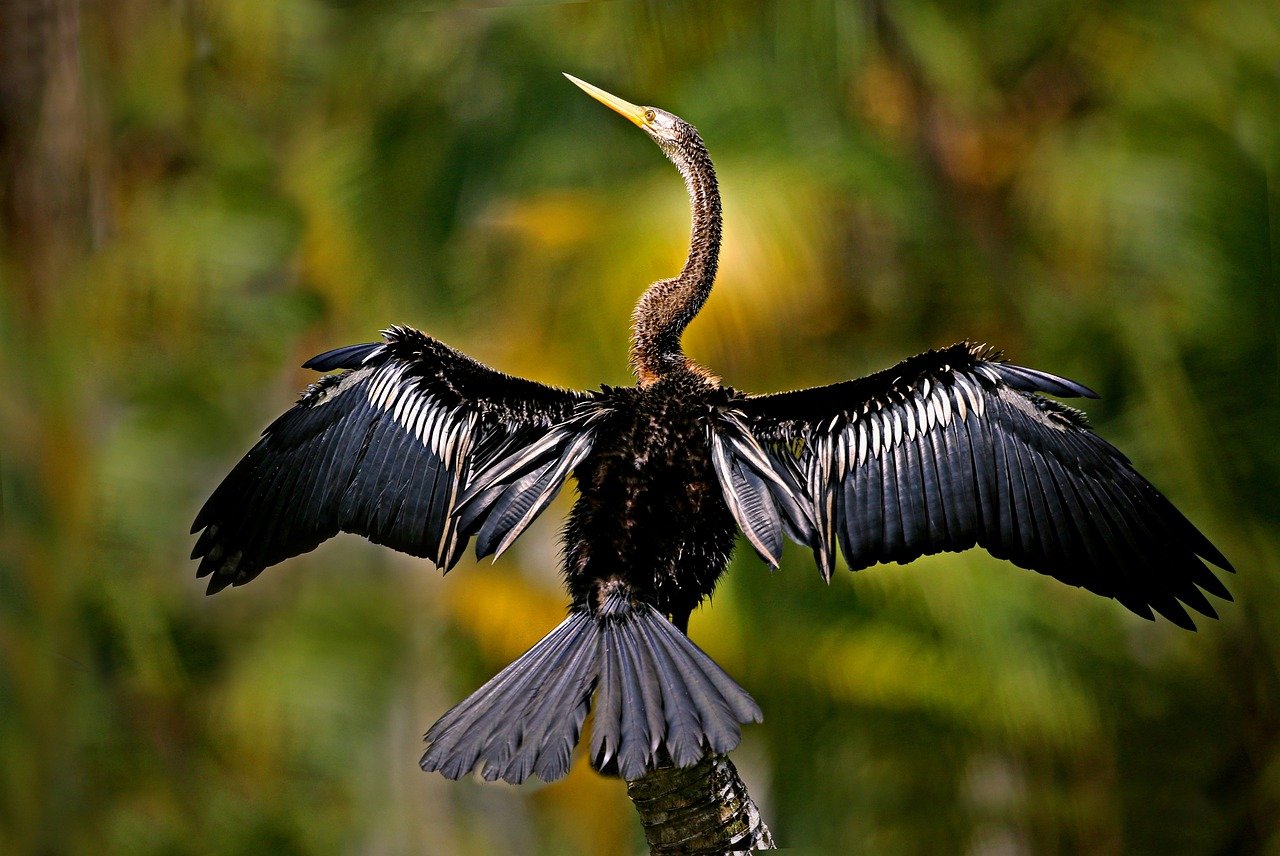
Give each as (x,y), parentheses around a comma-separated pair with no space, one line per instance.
(762,491)
(957,448)
(387,450)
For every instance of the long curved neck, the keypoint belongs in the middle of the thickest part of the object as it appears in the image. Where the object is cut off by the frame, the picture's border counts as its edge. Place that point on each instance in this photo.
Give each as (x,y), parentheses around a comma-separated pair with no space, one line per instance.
(667,306)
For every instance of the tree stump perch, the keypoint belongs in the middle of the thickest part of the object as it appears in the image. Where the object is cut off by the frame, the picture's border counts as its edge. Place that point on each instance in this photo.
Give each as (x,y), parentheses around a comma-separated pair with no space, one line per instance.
(703,810)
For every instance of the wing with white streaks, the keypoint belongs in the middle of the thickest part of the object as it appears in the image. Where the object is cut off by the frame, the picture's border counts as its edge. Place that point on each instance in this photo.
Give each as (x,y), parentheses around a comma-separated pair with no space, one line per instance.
(390,449)
(956,448)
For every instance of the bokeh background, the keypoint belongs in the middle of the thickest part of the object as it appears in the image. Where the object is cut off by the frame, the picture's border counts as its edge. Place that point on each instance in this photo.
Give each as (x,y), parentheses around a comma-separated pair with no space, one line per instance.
(200,194)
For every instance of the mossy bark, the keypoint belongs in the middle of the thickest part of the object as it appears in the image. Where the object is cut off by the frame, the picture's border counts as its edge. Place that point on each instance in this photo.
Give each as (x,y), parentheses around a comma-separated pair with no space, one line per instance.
(703,810)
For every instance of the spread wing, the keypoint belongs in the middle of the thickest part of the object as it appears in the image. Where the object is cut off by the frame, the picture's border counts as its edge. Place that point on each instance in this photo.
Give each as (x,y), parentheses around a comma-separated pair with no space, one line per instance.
(415,446)
(956,448)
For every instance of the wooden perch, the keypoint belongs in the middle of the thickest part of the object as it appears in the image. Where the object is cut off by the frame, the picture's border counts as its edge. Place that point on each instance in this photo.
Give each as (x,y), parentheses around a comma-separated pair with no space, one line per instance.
(703,810)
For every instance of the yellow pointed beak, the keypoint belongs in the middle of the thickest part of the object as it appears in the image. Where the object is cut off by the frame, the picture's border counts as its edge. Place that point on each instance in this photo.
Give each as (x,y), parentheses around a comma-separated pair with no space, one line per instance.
(613,102)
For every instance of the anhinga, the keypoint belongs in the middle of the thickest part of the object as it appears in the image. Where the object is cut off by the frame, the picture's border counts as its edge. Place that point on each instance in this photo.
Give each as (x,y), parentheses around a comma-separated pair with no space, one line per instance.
(416,446)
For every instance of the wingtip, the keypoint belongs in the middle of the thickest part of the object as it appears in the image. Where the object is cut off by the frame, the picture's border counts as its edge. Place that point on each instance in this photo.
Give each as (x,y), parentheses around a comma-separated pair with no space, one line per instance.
(1206,609)
(1220,561)
(1175,614)
(216,584)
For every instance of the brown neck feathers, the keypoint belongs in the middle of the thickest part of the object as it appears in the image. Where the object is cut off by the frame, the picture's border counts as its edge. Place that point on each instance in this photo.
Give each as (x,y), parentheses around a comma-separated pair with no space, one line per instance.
(667,307)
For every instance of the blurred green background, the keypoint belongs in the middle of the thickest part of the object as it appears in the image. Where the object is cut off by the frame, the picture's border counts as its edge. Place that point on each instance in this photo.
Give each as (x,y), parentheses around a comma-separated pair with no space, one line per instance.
(200,194)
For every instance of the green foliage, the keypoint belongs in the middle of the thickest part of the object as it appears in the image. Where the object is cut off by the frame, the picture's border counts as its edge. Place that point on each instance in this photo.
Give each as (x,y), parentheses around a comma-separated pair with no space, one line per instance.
(1090,186)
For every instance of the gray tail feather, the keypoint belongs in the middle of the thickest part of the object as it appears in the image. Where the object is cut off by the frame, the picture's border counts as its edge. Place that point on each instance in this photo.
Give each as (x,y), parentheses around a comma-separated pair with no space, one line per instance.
(659,698)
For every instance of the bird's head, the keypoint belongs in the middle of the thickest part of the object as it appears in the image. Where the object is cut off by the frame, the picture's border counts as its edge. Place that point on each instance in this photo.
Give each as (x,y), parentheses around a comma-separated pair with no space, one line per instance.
(668,130)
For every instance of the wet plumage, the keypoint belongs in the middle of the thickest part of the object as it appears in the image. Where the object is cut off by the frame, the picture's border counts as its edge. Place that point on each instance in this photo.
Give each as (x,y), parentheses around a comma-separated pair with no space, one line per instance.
(416,446)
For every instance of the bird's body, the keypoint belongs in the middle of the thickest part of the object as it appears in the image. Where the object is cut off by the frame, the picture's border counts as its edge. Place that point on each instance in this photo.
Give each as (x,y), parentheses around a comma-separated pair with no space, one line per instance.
(650,511)
(417,446)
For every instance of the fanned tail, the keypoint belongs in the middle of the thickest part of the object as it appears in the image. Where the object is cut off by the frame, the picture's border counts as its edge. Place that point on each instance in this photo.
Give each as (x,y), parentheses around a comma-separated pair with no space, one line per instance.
(659,697)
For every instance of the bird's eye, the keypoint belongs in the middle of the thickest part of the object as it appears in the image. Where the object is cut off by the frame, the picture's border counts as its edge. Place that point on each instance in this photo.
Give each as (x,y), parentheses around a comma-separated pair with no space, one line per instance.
(649,115)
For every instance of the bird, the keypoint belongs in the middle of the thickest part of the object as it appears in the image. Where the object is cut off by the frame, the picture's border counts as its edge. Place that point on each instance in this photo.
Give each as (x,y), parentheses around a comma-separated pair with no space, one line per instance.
(416,446)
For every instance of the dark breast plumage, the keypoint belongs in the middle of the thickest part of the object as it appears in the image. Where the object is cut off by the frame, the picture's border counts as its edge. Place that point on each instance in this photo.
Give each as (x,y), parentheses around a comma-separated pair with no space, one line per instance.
(650,511)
